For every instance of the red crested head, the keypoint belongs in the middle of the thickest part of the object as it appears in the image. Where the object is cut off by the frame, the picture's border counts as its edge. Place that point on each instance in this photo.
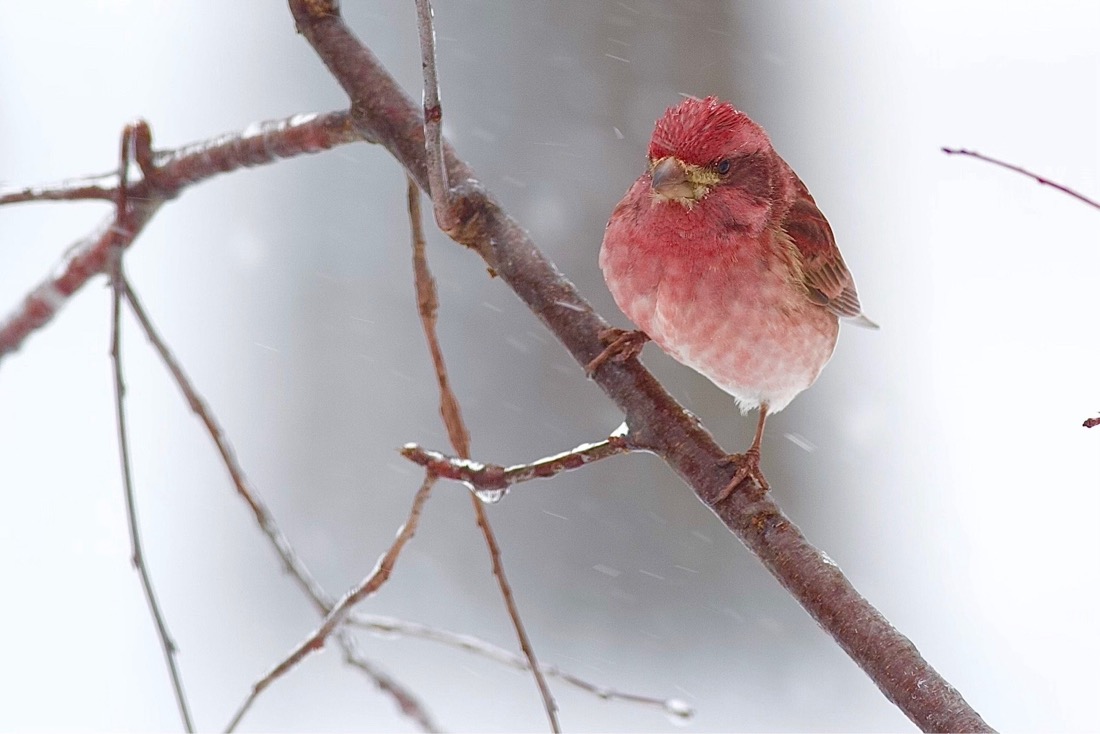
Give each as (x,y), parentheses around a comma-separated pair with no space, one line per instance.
(702,131)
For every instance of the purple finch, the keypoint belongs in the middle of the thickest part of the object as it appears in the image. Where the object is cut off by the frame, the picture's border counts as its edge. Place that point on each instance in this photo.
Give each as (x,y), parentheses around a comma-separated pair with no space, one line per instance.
(719,254)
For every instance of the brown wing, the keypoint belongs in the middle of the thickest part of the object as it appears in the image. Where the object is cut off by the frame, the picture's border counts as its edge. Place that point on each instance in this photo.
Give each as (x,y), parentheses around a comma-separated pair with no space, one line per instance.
(823,270)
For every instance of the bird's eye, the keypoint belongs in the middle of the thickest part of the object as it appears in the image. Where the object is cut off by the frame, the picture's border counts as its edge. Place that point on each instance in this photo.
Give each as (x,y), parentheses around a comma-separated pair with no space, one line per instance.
(722,166)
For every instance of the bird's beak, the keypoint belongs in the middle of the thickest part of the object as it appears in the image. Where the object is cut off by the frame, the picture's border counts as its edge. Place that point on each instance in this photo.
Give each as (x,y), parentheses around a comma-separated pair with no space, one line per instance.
(673,180)
(669,179)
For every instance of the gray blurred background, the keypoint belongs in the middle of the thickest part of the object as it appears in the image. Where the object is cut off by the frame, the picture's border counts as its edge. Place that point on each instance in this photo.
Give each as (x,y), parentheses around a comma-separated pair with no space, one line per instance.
(939,461)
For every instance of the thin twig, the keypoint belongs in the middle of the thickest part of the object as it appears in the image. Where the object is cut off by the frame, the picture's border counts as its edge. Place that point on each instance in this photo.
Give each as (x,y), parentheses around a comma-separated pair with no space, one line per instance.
(1089,422)
(385,113)
(1024,171)
(409,704)
(322,601)
(247,492)
(101,188)
(427,305)
(433,120)
(491,481)
(471,644)
(369,585)
(166,174)
(168,647)
(548,702)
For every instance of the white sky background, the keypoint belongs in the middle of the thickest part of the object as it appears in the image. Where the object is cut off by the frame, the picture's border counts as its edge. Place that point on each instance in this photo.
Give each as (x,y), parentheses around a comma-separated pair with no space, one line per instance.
(951,478)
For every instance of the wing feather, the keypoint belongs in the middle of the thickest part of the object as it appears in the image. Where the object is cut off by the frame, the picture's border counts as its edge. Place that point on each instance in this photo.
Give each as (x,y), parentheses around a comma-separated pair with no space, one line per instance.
(827,279)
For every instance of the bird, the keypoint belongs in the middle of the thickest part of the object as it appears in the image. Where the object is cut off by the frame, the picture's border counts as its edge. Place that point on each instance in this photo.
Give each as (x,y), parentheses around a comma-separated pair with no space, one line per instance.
(719,254)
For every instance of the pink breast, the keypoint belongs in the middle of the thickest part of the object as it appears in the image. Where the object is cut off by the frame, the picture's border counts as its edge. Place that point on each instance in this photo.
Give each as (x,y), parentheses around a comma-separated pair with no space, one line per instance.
(733,314)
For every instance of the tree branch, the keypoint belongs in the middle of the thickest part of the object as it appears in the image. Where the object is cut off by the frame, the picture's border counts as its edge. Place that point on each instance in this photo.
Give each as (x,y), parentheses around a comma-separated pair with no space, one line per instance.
(439,187)
(390,626)
(407,701)
(383,112)
(95,188)
(322,602)
(368,586)
(427,305)
(1012,167)
(137,554)
(165,175)
(490,482)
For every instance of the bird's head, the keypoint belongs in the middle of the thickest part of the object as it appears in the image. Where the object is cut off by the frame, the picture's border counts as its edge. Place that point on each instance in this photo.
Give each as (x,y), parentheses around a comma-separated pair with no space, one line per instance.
(703,144)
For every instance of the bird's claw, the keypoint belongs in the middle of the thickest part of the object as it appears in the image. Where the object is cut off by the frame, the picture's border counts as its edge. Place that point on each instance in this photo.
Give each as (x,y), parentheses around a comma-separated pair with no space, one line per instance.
(621,346)
(748,465)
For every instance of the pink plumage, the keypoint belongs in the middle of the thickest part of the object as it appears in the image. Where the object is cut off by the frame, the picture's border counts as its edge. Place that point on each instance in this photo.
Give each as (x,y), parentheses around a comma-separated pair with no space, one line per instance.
(720,255)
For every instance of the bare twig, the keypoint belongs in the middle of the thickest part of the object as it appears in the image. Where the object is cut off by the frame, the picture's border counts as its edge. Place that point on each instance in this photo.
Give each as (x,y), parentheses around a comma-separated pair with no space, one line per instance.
(383,112)
(525,645)
(409,704)
(369,585)
(427,305)
(168,647)
(293,564)
(322,602)
(1089,422)
(102,188)
(166,174)
(439,184)
(491,481)
(404,628)
(1012,167)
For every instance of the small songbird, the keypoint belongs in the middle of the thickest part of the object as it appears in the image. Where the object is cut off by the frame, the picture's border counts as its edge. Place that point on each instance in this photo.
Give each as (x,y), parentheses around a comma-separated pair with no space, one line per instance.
(719,254)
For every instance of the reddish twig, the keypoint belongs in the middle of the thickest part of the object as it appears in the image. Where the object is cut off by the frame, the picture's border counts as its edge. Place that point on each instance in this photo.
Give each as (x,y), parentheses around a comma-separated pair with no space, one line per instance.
(165,175)
(427,306)
(439,184)
(548,703)
(101,188)
(322,602)
(409,704)
(137,555)
(247,492)
(1012,167)
(490,482)
(1090,422)
(369,585)
(658,423)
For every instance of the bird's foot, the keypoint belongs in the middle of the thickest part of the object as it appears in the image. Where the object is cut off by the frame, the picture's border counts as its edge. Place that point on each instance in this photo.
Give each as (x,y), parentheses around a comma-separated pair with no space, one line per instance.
(621,346)
(748,465)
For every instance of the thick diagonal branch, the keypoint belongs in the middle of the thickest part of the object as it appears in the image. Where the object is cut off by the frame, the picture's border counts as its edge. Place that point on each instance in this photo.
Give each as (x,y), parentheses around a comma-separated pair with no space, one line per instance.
(382,111)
